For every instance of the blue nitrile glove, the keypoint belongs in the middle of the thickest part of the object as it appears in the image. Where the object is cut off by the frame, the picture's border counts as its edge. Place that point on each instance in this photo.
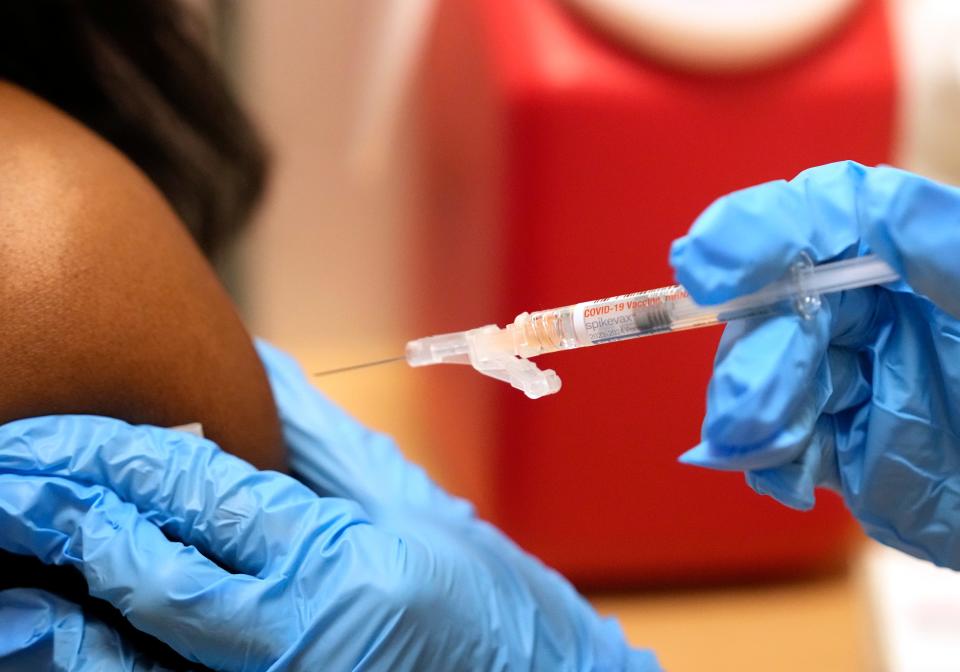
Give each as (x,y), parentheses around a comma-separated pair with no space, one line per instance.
(381,571)
(865,397)
(41,631)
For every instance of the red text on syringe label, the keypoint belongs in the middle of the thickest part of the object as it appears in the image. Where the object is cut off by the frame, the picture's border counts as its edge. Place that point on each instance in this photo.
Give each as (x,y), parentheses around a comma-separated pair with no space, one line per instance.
(625,316)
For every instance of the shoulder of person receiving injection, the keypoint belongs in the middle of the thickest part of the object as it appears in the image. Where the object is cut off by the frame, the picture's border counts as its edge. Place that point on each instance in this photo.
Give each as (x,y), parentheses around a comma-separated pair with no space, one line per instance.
(109,306)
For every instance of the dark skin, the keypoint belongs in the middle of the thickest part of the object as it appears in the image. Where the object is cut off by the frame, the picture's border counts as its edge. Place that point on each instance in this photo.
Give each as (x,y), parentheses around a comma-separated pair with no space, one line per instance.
(108,306)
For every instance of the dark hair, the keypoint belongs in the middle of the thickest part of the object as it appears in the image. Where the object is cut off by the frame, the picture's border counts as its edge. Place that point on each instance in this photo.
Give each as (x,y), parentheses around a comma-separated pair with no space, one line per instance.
(137,72)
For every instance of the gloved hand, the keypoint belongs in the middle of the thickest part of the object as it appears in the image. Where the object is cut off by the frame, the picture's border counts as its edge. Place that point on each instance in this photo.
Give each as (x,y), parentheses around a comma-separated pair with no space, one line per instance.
(246,570)
(44,632)
(865,397)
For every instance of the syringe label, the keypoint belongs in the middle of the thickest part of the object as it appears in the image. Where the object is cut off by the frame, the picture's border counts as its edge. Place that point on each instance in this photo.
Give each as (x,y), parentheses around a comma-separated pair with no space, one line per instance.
(625,316)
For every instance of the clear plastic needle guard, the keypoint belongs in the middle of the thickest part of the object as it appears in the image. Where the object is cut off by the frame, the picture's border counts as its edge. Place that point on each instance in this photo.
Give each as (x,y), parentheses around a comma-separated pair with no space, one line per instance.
(504,353)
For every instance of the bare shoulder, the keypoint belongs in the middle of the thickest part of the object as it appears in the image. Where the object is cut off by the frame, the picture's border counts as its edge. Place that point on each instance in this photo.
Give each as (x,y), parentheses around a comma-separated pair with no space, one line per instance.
(70,205)
(108,306)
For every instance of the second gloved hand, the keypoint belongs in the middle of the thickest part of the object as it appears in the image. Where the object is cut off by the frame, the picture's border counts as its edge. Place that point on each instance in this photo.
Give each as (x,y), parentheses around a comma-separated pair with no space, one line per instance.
(864,398)
(246,570)
(44,632)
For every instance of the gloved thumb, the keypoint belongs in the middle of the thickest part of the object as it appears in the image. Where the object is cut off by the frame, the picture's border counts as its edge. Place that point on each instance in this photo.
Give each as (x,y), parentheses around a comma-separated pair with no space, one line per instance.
(749,238)
(914,224)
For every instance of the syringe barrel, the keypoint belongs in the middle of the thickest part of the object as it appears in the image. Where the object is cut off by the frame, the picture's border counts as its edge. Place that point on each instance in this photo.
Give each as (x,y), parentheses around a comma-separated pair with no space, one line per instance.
(612,319)
(671,308)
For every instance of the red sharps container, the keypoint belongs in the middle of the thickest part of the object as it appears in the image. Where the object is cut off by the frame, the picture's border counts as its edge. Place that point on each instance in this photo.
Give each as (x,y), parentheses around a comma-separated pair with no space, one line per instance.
(560,166)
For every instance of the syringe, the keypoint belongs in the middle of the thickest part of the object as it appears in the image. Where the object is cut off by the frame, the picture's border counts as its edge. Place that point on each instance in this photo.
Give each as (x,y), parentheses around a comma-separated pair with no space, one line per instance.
(503,353)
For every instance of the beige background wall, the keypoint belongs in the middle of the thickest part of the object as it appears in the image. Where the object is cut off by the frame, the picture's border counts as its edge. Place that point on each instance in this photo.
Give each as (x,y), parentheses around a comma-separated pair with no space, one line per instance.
(325,270)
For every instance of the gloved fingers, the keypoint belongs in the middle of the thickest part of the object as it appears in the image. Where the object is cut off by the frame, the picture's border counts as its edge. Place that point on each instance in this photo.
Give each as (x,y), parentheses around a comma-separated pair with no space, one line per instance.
(766,368)
(42,631)
(850,385)
(339,457)
(750,238)
(840,383)
(804,460)
(914,224)
(904,485)
(783,448)
(854,315)
(125,560)
(765,371)
(248,520)
(794,484)
(804,456)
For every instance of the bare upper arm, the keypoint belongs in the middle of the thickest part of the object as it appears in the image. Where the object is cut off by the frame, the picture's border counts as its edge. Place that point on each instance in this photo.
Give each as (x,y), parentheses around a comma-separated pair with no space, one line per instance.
(107,305)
